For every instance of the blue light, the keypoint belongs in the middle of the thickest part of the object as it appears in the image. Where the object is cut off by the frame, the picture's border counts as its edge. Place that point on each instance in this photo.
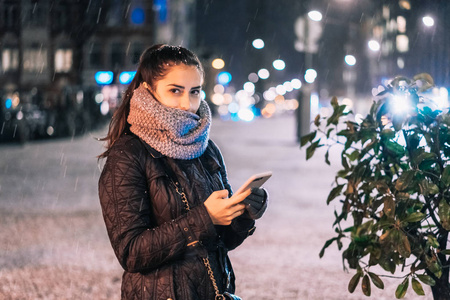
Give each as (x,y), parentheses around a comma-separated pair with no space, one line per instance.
(8,103)
(126,77)
(138,16)
(161,7)
(224,78)
(104,77)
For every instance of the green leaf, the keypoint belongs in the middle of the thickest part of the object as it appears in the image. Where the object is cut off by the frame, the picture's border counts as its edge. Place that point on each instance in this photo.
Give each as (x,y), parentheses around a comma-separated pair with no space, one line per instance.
(354,282)
(307,138)
(376,280)
(446,176)
(327,244)
(425,157)
(428,188)
(344,162)
(365,285)
(334,102)
(446,251)
(389,206)
(404,247)
(414,217)
(317,120)
(387,133)
(426,279)
(432,241)
(327,159)
(354,155)
(335,192)
(404,180)
(329,132)
(401,289)
(395,148)
(444,214)
(417,287)
(312,148)
(435,267)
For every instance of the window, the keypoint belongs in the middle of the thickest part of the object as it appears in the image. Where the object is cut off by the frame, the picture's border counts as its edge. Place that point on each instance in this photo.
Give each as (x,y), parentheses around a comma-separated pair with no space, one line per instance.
(114,16)
(63,60)
(95,55)
(36,15)
(60,17)
(402,43)
(117,54)
(136,52)
(10,59)
(401,22)
(10,15)
(34,59)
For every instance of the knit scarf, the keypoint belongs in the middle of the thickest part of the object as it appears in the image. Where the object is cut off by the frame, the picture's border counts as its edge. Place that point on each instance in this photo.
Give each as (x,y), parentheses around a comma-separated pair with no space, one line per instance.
(173,132)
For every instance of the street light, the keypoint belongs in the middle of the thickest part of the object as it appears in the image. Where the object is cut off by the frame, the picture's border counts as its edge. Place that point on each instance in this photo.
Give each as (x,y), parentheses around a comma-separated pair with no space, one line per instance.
(315,15)
(428,21)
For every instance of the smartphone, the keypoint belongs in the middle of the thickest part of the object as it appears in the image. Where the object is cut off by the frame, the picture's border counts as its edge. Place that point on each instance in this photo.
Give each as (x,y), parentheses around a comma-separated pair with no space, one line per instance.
(256,180)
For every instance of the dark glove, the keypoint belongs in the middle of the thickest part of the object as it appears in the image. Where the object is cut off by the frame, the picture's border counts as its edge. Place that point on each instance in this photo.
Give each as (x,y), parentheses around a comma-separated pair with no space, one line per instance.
(256,203)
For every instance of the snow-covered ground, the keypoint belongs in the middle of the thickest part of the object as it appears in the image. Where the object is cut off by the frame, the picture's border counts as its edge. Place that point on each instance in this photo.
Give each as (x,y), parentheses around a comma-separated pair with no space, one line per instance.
(53,242)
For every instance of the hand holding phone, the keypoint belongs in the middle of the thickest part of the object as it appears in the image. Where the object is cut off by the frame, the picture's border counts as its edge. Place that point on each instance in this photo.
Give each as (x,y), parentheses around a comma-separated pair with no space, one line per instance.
(256,180)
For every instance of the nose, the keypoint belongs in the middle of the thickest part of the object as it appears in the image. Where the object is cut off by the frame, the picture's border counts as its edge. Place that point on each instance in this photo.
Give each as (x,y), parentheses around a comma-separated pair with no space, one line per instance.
(185,103)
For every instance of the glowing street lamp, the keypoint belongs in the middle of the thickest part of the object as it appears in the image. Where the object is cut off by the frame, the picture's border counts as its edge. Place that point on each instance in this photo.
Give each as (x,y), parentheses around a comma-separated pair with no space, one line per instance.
(428,21)
(315,15)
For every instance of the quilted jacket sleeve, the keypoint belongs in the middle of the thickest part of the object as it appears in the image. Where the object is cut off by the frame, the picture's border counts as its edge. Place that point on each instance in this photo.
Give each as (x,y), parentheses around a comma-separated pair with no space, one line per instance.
(138,243)
(242,226)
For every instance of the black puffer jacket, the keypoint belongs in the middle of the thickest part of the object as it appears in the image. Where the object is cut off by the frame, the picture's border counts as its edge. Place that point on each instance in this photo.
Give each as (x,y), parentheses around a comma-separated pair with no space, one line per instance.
(150,230)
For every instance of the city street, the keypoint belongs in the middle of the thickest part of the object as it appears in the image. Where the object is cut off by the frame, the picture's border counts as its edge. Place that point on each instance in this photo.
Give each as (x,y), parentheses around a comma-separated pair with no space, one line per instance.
(53,242)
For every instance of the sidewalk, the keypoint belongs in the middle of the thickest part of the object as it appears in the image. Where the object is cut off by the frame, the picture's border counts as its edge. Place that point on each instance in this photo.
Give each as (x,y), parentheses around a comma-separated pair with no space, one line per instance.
(53,242)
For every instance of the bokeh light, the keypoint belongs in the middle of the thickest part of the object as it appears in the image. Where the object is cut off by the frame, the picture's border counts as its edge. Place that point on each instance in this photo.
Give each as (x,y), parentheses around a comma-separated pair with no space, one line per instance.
(350,60)
(374,45)
(263,73)
(279,64)
(258,43)
(428,21)
(218,63)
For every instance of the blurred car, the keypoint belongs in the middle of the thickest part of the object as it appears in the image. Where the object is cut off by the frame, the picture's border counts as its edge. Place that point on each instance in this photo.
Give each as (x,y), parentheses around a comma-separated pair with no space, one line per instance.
(20,121)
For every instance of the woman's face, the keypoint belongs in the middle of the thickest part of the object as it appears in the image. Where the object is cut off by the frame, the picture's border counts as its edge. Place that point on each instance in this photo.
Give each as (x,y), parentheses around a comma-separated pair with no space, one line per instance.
(180,88)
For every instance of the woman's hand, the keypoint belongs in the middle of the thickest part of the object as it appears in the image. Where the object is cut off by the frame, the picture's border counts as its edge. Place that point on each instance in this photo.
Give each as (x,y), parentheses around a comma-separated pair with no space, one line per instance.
(222,209)
(256,203)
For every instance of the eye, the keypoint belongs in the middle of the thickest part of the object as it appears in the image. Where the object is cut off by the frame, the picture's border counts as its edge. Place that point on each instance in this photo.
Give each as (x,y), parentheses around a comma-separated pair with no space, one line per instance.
(175,91)
(195,92)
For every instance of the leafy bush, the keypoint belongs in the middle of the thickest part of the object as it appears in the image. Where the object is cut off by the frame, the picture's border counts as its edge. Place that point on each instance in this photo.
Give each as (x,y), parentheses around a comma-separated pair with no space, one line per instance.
(394,186)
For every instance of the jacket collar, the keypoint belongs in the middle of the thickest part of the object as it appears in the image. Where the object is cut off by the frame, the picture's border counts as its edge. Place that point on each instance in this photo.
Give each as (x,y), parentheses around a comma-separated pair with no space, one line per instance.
(153,152)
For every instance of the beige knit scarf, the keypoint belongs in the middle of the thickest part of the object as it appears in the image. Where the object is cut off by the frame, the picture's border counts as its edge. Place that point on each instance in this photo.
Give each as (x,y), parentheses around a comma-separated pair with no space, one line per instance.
(172,132)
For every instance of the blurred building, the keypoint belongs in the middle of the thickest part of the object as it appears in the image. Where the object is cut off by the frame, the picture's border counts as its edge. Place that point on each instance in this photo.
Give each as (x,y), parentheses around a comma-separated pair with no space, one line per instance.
(413,38)
(68,61)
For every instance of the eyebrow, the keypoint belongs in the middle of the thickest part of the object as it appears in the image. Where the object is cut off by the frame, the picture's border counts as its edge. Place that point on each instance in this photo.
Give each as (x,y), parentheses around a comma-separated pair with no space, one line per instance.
(182,87)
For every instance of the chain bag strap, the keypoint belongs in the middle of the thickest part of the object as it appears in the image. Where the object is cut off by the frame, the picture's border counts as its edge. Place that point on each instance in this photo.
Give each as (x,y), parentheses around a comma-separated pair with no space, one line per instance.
(206,262)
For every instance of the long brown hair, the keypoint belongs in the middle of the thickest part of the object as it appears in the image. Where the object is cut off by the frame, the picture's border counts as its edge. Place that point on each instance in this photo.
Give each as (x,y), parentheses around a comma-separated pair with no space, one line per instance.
(153,66)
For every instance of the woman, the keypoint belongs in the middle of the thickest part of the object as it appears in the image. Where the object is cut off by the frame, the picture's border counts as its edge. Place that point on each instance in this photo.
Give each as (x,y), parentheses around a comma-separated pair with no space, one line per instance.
(166,201)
